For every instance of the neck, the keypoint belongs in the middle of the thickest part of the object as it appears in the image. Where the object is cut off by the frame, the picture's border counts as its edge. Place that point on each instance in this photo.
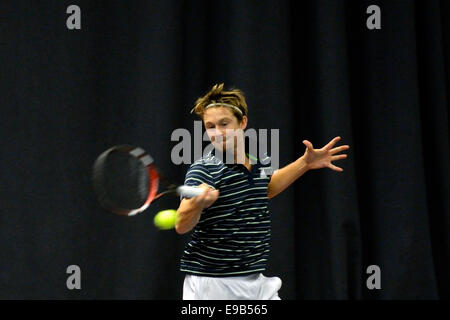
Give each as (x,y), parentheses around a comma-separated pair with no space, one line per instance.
(243,159)
(239,153)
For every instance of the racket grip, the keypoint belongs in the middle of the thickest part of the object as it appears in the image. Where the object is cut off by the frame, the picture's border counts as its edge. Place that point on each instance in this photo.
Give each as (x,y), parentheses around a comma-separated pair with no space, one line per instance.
(189,192)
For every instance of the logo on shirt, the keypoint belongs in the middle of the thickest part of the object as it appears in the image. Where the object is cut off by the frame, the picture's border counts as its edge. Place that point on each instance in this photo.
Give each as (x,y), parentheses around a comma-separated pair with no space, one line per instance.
(265,172)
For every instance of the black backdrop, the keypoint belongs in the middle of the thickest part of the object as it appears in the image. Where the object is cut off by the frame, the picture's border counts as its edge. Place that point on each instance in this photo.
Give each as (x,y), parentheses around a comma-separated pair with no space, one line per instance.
(309,68)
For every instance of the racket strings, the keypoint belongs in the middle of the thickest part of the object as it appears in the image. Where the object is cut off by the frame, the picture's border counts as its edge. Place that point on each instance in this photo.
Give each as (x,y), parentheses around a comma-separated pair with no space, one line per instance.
(126,180)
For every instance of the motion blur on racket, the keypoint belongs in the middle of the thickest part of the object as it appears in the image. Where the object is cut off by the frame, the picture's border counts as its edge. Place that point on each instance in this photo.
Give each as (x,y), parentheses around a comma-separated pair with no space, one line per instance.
(126,181)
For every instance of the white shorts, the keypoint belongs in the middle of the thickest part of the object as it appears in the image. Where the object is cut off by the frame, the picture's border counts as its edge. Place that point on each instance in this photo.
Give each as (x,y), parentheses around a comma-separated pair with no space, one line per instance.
(250,287)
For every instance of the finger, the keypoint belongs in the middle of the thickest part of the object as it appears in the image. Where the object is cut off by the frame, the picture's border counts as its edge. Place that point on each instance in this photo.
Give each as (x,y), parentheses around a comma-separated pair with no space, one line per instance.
(215,193)
(203,186)
(201,198)
(198,199)
(206,203)
(339,157)
(209,201)
(339,149)
(333,167)
(332,143)
(308,144)
(212,197)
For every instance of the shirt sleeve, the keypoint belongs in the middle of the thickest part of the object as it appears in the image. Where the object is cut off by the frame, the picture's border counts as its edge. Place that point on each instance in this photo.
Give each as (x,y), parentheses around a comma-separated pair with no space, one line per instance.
(197,174)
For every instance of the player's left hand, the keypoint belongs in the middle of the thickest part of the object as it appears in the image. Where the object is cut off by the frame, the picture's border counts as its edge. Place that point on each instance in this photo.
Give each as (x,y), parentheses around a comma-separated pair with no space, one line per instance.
(322,158)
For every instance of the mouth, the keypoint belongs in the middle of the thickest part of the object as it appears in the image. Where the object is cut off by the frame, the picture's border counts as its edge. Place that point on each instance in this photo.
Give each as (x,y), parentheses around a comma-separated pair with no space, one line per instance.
(222,142)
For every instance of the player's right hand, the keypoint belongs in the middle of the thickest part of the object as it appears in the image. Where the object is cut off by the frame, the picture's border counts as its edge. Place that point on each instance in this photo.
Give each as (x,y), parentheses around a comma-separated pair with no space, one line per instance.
(207,198)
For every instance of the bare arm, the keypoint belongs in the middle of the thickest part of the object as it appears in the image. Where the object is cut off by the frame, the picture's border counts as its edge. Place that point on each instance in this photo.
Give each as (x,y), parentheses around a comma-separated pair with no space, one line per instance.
(189,211)
(284,177)
(312,159)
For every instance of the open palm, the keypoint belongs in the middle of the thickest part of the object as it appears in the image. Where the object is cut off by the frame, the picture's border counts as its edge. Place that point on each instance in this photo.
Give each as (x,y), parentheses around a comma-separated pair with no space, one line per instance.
(322,158)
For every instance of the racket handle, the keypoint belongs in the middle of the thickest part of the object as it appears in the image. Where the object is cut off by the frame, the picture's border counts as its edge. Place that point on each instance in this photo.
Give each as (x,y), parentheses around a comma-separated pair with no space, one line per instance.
(189,192)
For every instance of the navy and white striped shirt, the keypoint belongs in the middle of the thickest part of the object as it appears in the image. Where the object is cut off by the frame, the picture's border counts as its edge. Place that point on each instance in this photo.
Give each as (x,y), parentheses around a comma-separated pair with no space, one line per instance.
(232,236)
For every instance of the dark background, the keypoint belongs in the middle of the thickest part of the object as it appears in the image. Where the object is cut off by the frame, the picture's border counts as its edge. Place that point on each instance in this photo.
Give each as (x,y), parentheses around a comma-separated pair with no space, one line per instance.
(311,69)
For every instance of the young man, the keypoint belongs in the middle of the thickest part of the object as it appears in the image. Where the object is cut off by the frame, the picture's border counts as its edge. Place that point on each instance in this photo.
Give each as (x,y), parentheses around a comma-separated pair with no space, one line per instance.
(230,220)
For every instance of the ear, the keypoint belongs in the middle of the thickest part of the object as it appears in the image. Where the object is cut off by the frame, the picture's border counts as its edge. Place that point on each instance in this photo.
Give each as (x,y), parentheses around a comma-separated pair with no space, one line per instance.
(244,122)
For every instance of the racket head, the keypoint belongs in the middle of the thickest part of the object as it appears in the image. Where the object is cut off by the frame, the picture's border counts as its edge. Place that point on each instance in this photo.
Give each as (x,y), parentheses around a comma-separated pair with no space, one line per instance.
(125,180)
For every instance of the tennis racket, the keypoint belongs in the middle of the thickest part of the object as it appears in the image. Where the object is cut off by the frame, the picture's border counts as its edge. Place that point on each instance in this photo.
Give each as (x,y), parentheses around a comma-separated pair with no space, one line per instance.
(126,181)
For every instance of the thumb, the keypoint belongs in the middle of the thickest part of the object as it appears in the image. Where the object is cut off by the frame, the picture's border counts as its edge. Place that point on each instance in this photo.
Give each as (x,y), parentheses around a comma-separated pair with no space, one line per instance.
(308,144)
(204,186)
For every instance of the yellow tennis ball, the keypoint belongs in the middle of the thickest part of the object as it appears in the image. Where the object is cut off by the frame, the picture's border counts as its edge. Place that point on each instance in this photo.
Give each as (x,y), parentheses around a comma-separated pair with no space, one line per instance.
(165,219)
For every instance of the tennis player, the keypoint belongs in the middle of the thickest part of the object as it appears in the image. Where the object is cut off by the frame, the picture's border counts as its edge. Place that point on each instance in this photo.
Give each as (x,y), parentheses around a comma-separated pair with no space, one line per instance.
(230,244)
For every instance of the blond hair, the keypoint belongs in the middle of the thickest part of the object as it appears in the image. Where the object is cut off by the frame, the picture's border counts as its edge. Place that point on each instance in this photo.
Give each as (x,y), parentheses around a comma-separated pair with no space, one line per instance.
(218,95)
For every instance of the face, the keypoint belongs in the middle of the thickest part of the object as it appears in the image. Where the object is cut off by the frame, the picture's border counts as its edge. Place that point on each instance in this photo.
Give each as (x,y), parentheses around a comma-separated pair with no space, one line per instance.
(222,126)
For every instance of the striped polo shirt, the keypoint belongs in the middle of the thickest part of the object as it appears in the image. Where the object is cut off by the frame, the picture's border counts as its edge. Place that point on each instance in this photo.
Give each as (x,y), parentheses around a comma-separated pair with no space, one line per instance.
(232,236)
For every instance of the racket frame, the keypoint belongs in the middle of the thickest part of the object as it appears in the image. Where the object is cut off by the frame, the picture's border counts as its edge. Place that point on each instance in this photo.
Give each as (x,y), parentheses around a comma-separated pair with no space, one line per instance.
(148,163)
